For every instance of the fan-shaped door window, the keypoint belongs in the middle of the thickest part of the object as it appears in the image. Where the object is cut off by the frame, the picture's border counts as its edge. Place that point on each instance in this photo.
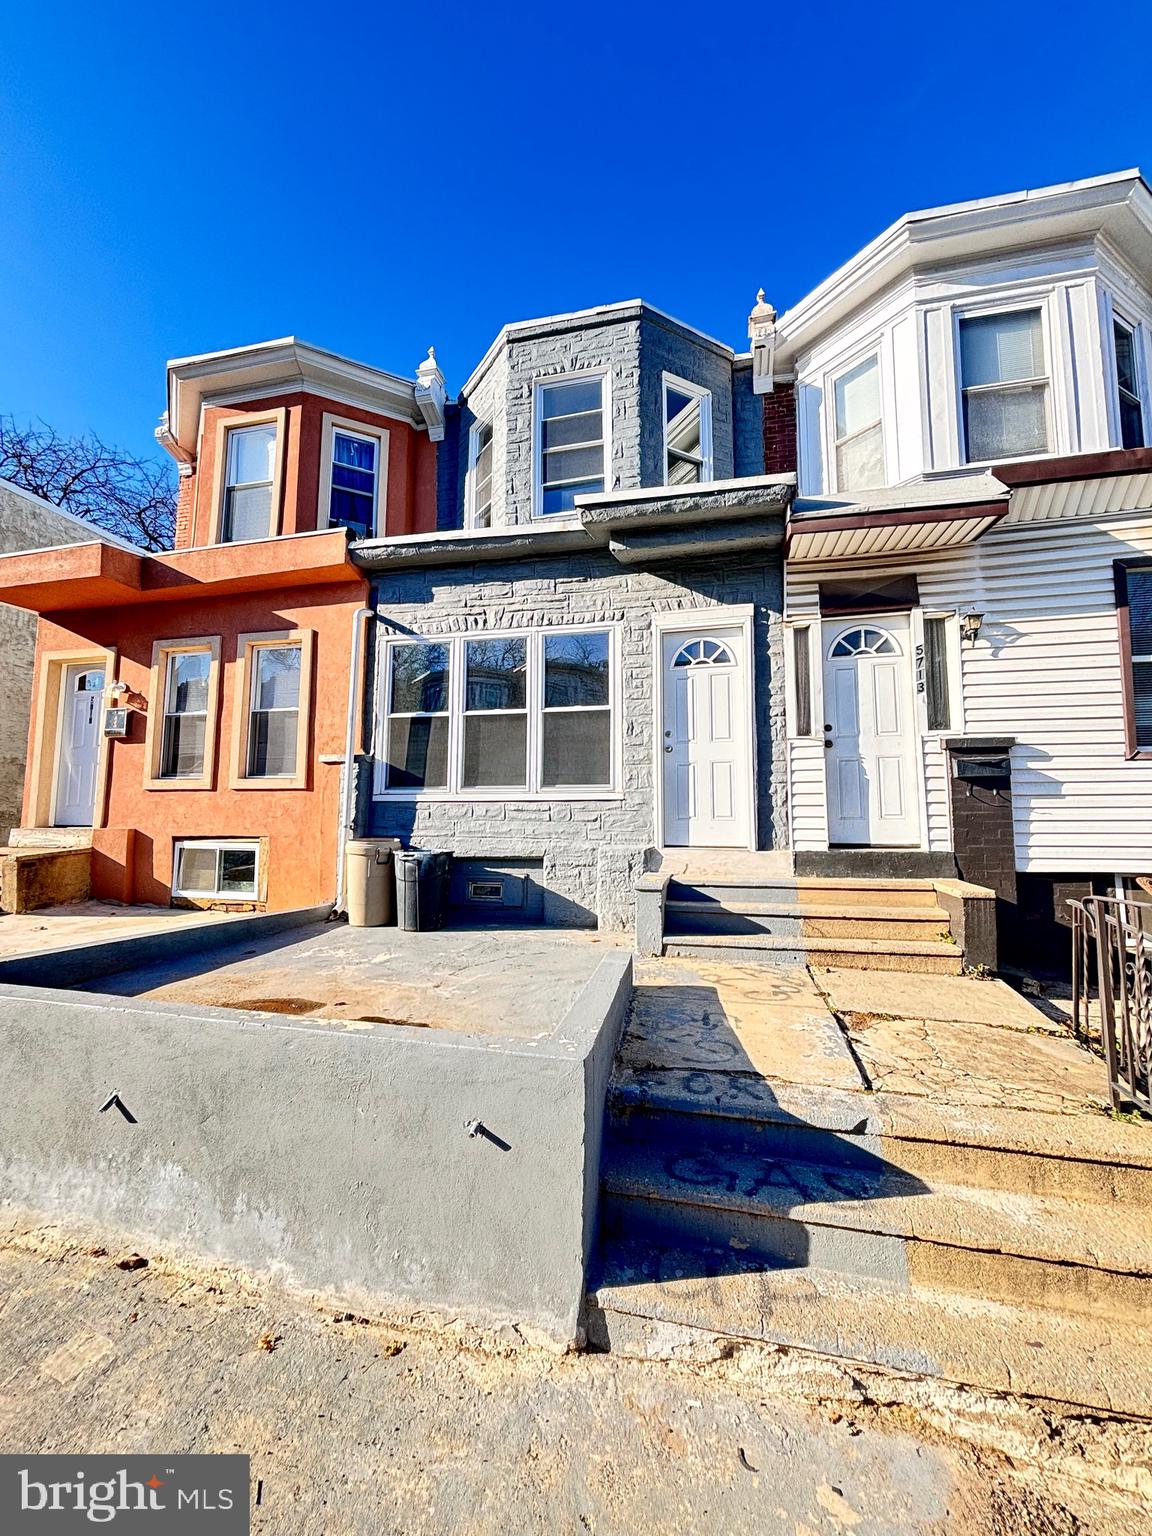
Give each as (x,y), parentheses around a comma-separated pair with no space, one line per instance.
(704,653)
(864,642)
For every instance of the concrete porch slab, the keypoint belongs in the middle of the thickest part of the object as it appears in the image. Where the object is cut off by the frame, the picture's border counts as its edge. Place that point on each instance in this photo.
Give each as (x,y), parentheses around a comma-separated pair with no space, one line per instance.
(960,1063)
(904,995)
(518,983)
(709,1016)
(85,922)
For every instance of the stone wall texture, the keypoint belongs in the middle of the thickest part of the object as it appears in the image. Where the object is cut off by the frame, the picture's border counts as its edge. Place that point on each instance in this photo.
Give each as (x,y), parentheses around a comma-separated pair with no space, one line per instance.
(592,850)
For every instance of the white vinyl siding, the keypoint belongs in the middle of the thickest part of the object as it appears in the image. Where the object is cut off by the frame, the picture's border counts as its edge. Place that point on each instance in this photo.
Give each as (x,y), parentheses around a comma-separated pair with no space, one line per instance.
(1045,670)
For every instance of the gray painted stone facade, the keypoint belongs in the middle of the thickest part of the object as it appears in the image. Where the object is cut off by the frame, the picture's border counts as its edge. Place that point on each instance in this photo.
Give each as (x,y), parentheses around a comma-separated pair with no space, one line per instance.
(591,851)
(580,858)
(26,522)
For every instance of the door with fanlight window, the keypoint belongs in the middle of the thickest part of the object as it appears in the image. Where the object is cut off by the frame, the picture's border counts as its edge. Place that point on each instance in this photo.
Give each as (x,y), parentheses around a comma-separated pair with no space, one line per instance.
(706,745)
(78,745)
(869,735)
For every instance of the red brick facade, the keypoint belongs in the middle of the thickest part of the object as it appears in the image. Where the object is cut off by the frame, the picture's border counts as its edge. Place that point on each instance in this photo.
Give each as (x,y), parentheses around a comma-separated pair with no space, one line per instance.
(780,430)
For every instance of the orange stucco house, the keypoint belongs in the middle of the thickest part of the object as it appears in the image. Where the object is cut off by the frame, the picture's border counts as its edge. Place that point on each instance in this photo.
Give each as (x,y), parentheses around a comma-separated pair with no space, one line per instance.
(193,711)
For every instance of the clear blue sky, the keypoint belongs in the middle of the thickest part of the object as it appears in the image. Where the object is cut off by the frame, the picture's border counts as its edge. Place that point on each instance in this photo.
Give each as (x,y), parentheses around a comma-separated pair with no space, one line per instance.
(378,177)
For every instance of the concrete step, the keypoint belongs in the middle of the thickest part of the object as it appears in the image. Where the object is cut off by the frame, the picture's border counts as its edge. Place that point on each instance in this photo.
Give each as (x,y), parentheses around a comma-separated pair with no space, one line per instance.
(50,837)
(821,922)
(930,956)
(658,1302)
(1071,1157)
(802,892)
(877,1222)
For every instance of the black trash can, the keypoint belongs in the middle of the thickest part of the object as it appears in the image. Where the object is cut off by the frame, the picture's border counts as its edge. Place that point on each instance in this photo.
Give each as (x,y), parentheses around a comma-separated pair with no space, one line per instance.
(421,889)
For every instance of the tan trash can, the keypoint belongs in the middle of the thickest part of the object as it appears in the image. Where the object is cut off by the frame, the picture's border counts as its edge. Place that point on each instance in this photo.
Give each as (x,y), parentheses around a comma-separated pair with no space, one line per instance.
(370,890)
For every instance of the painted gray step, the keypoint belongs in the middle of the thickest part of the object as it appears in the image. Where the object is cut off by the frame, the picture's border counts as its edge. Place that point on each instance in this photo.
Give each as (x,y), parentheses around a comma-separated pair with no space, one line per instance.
(796,893)
(926,955)
(813,922)
(1005,1150)
(882,1223)
(653,1300)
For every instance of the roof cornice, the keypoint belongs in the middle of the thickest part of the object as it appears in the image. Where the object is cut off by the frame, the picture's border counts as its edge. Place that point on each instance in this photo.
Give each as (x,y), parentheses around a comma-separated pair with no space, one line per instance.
(286,362)
(1118,205)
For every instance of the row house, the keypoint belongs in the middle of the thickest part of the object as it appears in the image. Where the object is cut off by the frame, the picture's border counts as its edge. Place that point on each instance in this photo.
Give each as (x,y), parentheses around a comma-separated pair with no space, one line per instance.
(867,602)
(969,557)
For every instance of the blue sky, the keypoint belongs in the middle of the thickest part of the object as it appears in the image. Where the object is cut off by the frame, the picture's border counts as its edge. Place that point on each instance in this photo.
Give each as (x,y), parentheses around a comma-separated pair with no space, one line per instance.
(377,178)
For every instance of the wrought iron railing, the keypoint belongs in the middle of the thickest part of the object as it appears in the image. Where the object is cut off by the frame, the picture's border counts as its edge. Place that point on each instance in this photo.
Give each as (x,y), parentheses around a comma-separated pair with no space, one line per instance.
(1113,950)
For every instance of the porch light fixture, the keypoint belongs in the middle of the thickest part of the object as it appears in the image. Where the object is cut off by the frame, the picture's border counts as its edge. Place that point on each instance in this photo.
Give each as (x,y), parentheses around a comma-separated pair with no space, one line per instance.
(970,623)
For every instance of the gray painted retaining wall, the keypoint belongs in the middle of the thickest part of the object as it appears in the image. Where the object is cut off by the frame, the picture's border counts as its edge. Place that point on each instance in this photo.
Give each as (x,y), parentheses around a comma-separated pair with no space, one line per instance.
(339,1161)
(592,850)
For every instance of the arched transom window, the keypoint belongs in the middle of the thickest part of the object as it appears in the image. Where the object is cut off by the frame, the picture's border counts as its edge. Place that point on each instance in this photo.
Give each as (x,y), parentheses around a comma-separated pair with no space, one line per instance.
(703,653)
(865,642)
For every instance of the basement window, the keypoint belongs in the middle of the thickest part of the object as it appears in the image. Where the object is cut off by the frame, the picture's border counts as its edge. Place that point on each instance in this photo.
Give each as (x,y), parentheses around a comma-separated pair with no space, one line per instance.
(223,871)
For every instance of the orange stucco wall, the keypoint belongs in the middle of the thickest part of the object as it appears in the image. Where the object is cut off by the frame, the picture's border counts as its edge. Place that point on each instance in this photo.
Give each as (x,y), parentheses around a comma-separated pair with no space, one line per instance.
(300,824)
(411,499)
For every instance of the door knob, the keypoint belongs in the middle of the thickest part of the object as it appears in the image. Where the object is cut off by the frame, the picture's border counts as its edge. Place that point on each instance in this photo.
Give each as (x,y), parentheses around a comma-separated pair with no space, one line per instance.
(828,745)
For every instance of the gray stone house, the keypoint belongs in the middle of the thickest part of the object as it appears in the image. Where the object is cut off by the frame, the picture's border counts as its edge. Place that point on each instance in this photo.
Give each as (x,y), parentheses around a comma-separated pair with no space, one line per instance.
(582,666)
(26,522)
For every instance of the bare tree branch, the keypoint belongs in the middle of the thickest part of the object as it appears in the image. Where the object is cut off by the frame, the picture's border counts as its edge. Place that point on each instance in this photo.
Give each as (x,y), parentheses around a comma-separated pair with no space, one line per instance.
(111,488)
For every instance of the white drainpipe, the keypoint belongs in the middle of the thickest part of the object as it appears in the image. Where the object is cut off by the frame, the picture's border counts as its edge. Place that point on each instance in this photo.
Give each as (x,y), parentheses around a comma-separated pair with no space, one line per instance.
(346,784)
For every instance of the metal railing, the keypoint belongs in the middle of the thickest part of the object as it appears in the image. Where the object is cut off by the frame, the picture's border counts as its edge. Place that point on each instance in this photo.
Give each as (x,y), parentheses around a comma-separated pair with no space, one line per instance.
(1112,948)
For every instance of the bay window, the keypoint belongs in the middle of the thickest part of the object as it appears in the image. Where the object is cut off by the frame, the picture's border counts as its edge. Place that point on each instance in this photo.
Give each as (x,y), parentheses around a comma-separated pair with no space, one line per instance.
(571,449)
(352,496)
(480,475)
(1004,385)
(527,714)
(687,432)
(1128,386)
(250,471)
(859,428)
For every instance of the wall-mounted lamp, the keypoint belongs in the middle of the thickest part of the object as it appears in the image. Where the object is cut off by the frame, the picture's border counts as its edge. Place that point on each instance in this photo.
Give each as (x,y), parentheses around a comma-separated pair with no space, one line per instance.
(970,626)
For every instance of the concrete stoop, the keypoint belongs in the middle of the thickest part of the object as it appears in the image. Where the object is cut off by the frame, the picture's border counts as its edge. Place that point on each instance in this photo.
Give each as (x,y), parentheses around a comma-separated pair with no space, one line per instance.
(995,1248)
(716,914)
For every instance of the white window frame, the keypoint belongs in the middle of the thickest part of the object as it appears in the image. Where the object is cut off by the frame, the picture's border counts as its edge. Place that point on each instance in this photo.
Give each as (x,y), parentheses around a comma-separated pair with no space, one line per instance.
(548,381)
(470,507)
(871,353)
(918,618)
(792,694)
(220,845)
(697,392)
(1018,304)
(1135,331)
(331,424)
(228,428)
(535,791)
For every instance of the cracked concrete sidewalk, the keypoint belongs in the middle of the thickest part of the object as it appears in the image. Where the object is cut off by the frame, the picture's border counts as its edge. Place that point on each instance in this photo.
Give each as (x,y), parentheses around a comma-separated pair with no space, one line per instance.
(358,1426)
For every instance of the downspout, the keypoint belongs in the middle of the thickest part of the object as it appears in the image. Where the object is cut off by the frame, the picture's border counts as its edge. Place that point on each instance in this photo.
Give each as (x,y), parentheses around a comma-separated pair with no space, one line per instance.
(347,813)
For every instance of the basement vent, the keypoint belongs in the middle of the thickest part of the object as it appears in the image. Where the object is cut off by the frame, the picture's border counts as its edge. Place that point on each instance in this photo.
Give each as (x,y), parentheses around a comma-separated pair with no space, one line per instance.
(485,890)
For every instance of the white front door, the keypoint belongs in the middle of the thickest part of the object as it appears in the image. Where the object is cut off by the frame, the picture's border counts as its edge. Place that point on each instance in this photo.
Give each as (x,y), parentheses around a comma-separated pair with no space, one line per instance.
(869,733)
(706,746)
(78,752)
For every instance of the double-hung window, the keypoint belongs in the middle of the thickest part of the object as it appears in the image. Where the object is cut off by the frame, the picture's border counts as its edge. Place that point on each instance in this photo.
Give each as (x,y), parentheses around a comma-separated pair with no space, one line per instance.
(353,493)
(183,750)
(858,428)
(1134,611)
(418,675)
(1004,385)
(529,713)
(480,475)
(687,432)
(1128,385)
(250,471)
(571,448)
(274,711)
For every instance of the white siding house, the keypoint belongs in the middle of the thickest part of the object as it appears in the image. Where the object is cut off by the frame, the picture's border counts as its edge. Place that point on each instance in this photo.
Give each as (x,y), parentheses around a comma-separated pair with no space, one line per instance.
(965,686)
